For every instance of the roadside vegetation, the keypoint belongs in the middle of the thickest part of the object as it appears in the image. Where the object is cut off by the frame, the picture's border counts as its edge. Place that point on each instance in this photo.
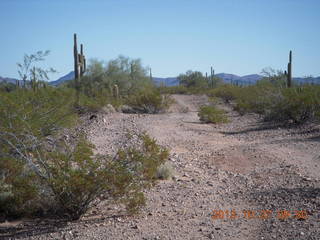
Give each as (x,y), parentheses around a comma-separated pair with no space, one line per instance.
(295,105)
(211,114)
(269,97)
(42,172)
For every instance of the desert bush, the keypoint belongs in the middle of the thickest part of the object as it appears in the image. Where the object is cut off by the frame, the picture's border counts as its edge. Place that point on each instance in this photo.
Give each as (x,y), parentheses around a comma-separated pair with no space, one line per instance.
(7,87)
(278,104)
(26,118)
(255,98)
(193,79)
(296,105)
(148,101)
(18,188)
(36,113)
(73,180)
(210,114)
(226,92)
(79,179)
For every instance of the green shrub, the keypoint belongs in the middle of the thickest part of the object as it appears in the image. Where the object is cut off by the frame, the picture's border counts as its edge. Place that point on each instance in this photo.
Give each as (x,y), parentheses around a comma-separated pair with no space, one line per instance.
(296,105)
(210,114)
(74,179)
(148,101)
(26,119)
(255,98)
(18,188)
(226,92)
(140,163)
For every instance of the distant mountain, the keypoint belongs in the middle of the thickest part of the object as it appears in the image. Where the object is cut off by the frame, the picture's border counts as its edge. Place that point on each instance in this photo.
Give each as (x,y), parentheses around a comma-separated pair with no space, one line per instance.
(227,78)
(63,79)
(247,79)
(312,80)
(170,81)
(9,80)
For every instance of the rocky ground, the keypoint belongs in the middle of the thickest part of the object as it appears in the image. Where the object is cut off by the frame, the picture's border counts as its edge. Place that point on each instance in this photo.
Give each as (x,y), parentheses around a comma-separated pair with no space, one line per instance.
(239,180)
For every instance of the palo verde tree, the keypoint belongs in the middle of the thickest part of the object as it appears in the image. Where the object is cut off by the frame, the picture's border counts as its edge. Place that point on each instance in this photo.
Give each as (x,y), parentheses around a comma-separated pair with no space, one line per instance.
(276,77)
(29,71)
(193,79)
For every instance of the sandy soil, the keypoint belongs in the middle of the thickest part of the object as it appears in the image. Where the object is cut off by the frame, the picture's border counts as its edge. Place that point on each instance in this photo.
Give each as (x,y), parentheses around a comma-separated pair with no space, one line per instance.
(266,176)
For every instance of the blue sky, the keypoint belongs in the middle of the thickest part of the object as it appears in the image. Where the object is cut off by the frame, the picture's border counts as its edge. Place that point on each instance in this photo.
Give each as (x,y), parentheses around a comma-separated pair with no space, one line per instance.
(171,36)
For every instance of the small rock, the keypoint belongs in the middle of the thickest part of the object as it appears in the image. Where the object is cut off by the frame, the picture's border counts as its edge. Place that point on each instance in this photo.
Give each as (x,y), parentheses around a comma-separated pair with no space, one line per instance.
(93,116)
(108,109)
(127,109)
(135,226)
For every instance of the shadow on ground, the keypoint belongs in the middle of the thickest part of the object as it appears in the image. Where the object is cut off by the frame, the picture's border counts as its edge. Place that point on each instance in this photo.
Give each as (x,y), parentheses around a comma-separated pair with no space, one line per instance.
(37,227)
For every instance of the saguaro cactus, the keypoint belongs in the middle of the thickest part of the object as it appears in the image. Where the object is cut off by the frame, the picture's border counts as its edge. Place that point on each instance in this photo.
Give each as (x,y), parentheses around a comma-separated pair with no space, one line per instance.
(115,91)
(79,66)
(211,76)
(76,58)
(150,71)
(82,61)
(289,73)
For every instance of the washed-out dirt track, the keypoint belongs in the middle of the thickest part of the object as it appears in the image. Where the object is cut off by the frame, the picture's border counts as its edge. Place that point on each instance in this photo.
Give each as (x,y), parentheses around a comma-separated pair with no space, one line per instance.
(241,165)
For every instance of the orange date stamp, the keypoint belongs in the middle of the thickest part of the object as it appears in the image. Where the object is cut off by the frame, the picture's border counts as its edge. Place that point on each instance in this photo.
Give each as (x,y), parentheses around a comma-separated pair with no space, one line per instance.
(259,214)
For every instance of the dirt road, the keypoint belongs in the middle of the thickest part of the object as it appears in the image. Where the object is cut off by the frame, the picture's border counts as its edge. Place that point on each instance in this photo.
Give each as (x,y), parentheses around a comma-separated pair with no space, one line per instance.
(240,180)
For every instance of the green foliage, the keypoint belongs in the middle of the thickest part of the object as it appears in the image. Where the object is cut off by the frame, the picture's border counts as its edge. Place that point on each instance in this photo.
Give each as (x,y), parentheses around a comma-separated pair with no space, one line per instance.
(74,179)
(26,118)
(140,164)
(79,178)
(216,82)
(255,98)
(7,87)
(28,70)
(296,105)
(193,79)
(128,74)
(40,172)
(275,77)
(17,187)
(210,114)
(96,87)
(149,101)
(35,113)
(226,92)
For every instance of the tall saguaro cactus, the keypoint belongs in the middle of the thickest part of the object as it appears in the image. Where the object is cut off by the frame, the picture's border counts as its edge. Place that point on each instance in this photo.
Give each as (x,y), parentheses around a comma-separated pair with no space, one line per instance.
(150,71)
(79,65)
(82,61)
(289,72)
(211,76)
(76,59)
